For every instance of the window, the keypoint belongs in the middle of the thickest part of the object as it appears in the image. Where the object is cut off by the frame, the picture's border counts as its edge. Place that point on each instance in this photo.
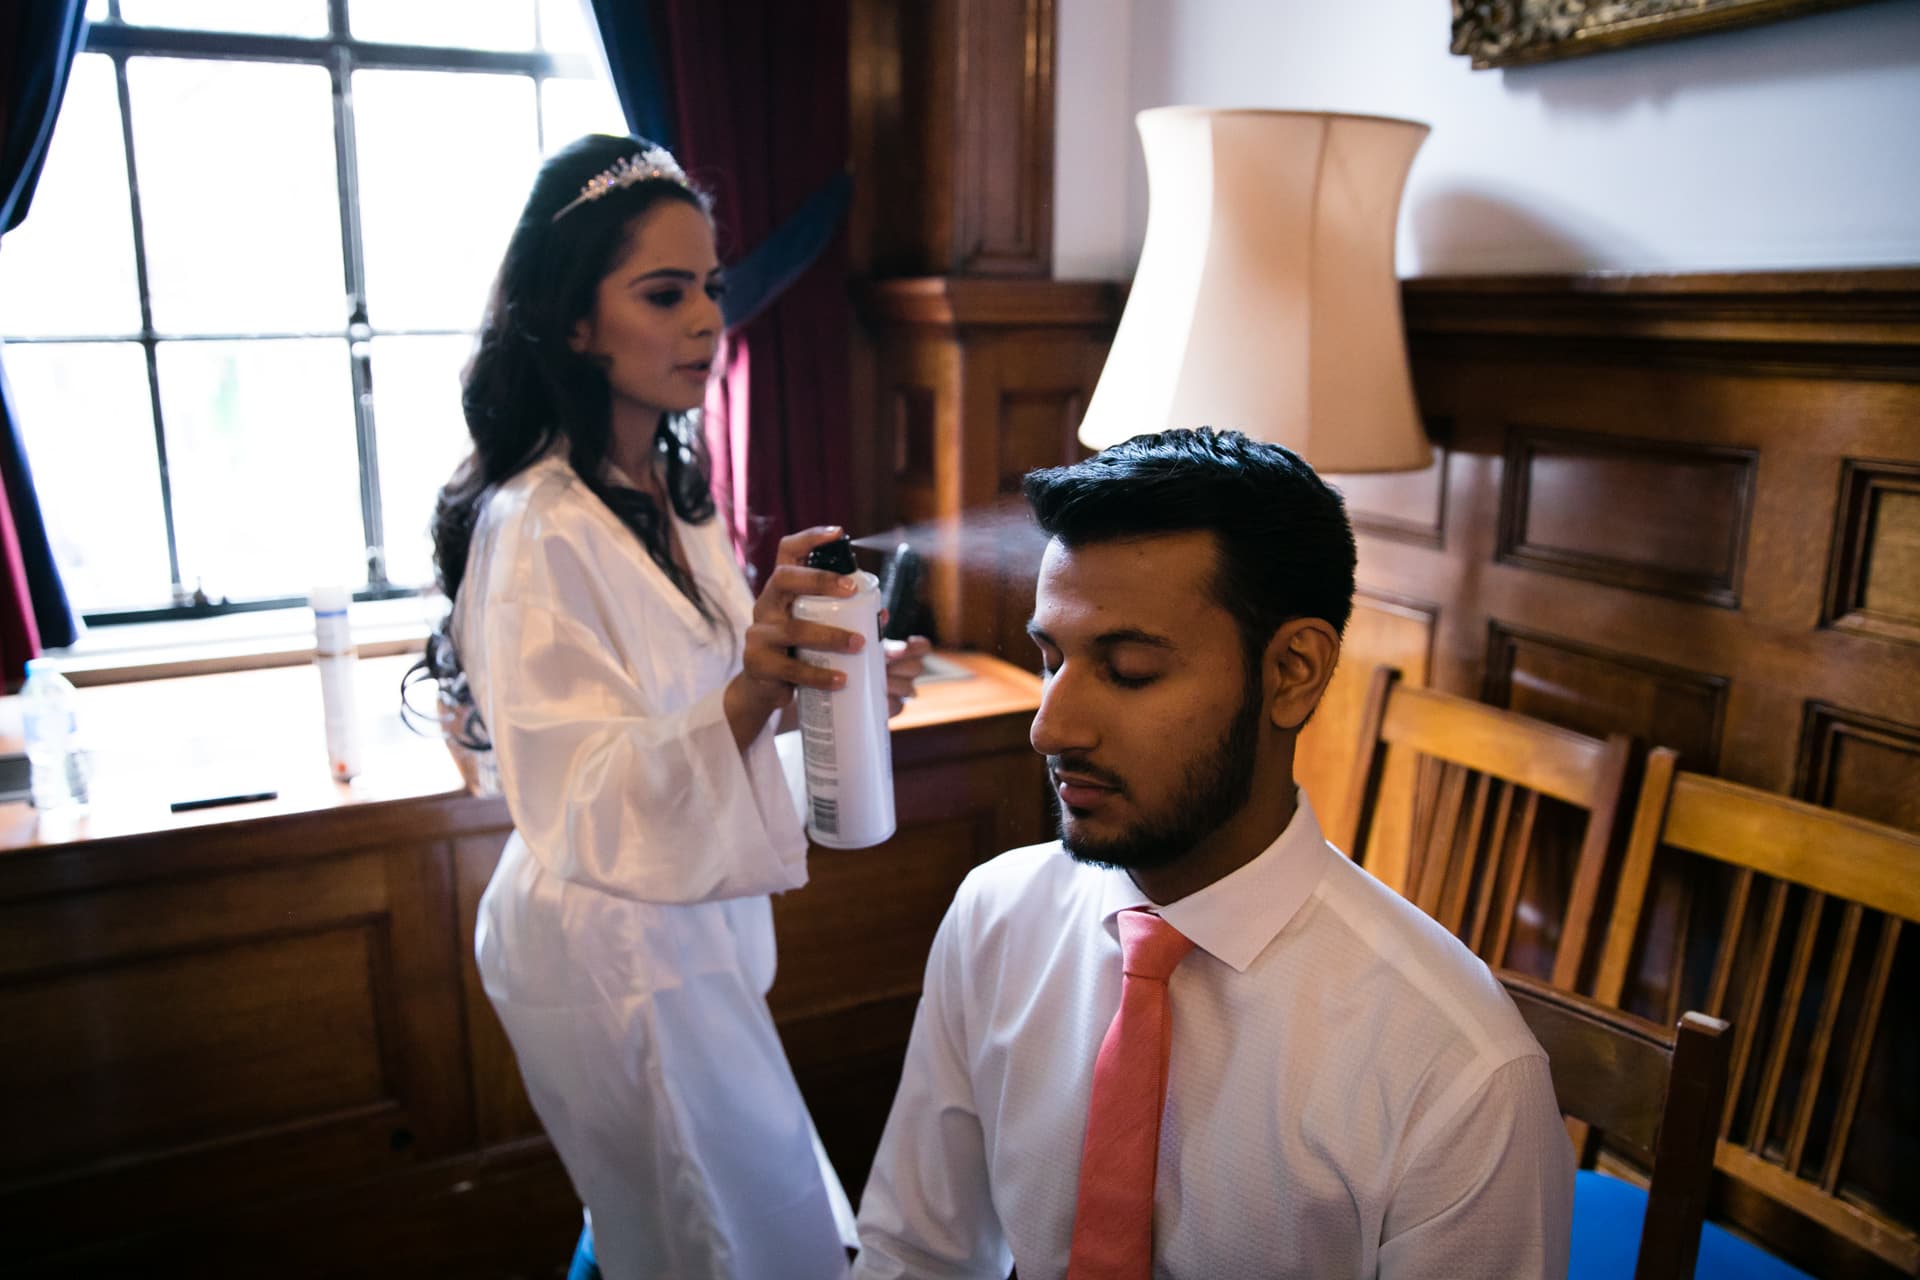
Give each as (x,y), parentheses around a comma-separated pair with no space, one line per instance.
(235,317)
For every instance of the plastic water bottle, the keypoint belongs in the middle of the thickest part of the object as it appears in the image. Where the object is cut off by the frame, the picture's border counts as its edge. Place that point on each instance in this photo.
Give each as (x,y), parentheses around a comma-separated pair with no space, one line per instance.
(333,654)
(46,710)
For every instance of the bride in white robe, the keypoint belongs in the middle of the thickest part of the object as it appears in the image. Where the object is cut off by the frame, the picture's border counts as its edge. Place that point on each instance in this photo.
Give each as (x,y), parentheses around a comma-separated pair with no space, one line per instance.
(630,694)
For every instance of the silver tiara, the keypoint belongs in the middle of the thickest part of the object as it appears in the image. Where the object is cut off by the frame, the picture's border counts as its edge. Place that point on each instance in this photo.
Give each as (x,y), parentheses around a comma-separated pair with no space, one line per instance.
(654,162)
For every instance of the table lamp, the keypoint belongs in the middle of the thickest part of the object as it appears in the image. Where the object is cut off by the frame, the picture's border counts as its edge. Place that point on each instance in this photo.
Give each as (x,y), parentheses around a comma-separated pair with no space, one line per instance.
(1266,299)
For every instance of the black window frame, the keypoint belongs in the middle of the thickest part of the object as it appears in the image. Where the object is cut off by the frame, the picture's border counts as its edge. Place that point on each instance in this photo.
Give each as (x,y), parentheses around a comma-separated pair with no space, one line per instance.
(341,54)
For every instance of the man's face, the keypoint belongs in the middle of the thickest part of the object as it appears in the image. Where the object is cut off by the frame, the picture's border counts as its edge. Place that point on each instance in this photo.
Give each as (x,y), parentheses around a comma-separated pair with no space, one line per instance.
(1150,719)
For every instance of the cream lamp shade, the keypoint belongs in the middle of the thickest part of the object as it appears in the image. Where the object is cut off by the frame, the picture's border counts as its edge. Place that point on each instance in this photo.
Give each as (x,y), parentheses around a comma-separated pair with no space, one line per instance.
(1266,299)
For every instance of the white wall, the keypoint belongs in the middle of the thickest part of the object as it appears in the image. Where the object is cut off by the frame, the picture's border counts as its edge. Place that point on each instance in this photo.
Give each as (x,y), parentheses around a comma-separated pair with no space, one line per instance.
(1790,145)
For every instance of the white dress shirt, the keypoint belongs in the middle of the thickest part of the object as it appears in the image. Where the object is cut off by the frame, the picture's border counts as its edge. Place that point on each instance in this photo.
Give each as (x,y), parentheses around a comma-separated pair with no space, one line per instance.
(626,939)
(1351,1092)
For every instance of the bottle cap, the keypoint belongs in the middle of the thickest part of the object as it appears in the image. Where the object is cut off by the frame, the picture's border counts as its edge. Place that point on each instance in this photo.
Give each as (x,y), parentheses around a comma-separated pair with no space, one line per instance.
(330,599)
(835,556)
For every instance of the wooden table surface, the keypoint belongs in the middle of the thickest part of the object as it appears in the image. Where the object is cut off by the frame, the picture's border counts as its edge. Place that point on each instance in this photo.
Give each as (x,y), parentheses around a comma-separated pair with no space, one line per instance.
(157,741)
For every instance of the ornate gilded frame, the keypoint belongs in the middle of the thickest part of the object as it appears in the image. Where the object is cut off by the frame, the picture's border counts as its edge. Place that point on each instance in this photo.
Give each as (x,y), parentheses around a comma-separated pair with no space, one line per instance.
(1510,33)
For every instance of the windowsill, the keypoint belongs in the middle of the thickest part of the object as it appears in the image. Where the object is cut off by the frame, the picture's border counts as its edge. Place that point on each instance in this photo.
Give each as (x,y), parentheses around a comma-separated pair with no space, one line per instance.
(238,642)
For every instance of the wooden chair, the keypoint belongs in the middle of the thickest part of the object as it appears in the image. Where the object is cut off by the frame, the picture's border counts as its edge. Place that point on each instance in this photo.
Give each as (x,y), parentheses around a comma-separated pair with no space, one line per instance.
(1797,952)
(1654,1089)
(1447,807)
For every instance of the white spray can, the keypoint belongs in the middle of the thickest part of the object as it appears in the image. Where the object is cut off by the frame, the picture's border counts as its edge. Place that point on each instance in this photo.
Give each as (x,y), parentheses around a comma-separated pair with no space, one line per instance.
(333,654)
(843,732)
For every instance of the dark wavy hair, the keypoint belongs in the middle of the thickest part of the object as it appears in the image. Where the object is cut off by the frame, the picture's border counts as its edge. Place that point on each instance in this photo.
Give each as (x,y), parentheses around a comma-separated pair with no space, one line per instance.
(526,388)
(1286,545)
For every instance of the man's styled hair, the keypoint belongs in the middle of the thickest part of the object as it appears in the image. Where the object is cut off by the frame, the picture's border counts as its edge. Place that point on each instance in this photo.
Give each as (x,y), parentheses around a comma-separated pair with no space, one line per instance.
(1286,546)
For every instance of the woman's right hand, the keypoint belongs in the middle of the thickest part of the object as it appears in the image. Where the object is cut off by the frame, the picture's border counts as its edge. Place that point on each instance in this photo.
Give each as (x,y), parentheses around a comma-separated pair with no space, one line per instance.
(770,672)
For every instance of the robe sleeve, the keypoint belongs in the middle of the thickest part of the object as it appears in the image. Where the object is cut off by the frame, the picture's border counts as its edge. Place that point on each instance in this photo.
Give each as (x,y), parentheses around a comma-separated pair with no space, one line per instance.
(608,791)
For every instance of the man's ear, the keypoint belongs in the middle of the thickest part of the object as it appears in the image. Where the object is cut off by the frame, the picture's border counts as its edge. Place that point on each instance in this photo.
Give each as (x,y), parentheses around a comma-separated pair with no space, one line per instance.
(1298,662)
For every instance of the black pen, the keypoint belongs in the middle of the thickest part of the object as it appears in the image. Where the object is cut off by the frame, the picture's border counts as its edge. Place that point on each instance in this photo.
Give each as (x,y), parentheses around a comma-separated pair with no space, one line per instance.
(214,802)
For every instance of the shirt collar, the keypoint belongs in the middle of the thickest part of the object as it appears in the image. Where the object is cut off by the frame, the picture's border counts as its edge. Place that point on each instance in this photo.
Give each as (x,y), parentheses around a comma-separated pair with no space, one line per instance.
(1234,918)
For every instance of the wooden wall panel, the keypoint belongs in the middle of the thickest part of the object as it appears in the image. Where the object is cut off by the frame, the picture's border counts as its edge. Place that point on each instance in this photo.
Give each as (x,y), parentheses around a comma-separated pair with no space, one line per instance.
(1874,586)
(175,1040)
(1860,763)
(1642,514)
(114,1052)
(1598,692)
(952,137)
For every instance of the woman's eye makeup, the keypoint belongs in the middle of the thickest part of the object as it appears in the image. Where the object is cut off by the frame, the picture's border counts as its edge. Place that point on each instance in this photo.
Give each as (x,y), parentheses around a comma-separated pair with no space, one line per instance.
(716,289)
(665,297)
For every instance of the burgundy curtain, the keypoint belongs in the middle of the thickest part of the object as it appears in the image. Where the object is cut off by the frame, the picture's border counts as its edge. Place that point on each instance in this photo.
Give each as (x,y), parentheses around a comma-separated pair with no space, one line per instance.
(758,90)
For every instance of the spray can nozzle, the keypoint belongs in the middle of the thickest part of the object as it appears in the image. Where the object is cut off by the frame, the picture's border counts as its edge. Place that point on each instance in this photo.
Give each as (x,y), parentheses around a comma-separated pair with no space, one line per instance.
(835,556)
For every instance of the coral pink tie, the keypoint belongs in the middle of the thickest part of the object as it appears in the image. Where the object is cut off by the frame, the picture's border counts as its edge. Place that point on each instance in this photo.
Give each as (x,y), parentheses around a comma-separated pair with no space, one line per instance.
(1113,1216)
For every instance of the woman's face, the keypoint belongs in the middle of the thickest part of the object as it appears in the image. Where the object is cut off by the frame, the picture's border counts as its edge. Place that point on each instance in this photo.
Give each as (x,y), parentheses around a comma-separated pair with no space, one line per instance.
(655,323)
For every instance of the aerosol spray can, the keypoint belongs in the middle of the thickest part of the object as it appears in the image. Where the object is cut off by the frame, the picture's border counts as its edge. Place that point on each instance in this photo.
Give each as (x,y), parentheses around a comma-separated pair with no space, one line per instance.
(843,732)
(333,654)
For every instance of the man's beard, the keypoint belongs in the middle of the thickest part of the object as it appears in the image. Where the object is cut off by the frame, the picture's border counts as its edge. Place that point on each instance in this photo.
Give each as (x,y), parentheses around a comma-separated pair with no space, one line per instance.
(1217,786)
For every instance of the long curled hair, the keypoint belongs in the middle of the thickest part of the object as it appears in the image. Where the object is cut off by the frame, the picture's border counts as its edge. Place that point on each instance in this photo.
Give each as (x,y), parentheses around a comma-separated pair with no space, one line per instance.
(527,389)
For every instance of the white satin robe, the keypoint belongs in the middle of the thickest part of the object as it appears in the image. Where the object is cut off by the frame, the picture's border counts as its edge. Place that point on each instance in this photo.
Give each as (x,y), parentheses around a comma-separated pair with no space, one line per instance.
(626,939)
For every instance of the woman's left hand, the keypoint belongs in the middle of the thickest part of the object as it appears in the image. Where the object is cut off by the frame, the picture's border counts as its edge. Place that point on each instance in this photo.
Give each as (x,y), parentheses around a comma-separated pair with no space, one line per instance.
(906,662)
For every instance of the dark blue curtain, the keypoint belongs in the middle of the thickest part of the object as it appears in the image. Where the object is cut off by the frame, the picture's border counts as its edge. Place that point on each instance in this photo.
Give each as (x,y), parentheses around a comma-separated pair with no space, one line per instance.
(633,60)
(37,44)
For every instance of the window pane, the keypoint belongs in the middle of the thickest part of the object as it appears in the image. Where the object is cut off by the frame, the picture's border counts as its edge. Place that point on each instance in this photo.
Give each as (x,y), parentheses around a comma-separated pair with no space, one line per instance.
(416,396)
(96,10)
(68,269)
(261,17)
(565,28)
(461,24)
(572,107)
(238,190)
(265,470)
(446,159)
(87,422)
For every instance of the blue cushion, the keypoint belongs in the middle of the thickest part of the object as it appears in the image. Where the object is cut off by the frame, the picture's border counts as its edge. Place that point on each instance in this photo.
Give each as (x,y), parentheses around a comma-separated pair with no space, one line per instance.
(1607,1214)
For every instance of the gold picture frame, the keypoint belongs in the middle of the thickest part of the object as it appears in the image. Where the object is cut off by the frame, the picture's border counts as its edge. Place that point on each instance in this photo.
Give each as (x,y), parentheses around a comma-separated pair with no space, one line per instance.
(1512,33)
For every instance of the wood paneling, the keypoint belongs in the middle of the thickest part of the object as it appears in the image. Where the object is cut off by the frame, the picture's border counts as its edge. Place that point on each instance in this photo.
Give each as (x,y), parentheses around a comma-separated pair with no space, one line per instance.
(952,137)
(1860,764)
(1595,691)
(1874,586)
(1646,515)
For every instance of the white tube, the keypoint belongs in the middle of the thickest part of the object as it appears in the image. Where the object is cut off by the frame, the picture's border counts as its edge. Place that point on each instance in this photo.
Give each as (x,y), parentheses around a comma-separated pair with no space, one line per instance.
(333,654)
(848,752)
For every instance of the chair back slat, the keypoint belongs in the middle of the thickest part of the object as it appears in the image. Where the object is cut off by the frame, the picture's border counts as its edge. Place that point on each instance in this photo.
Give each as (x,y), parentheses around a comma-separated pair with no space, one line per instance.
(1823,1033)
(1874,1002)
(1465,860)
(1752,999)
(1492,877)
(1730,932)
(1512,875)
(1787,1011)
(1815,904)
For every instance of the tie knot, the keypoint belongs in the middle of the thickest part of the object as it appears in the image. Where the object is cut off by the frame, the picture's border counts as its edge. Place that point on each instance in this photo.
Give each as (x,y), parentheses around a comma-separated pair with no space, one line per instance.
(1149,946)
